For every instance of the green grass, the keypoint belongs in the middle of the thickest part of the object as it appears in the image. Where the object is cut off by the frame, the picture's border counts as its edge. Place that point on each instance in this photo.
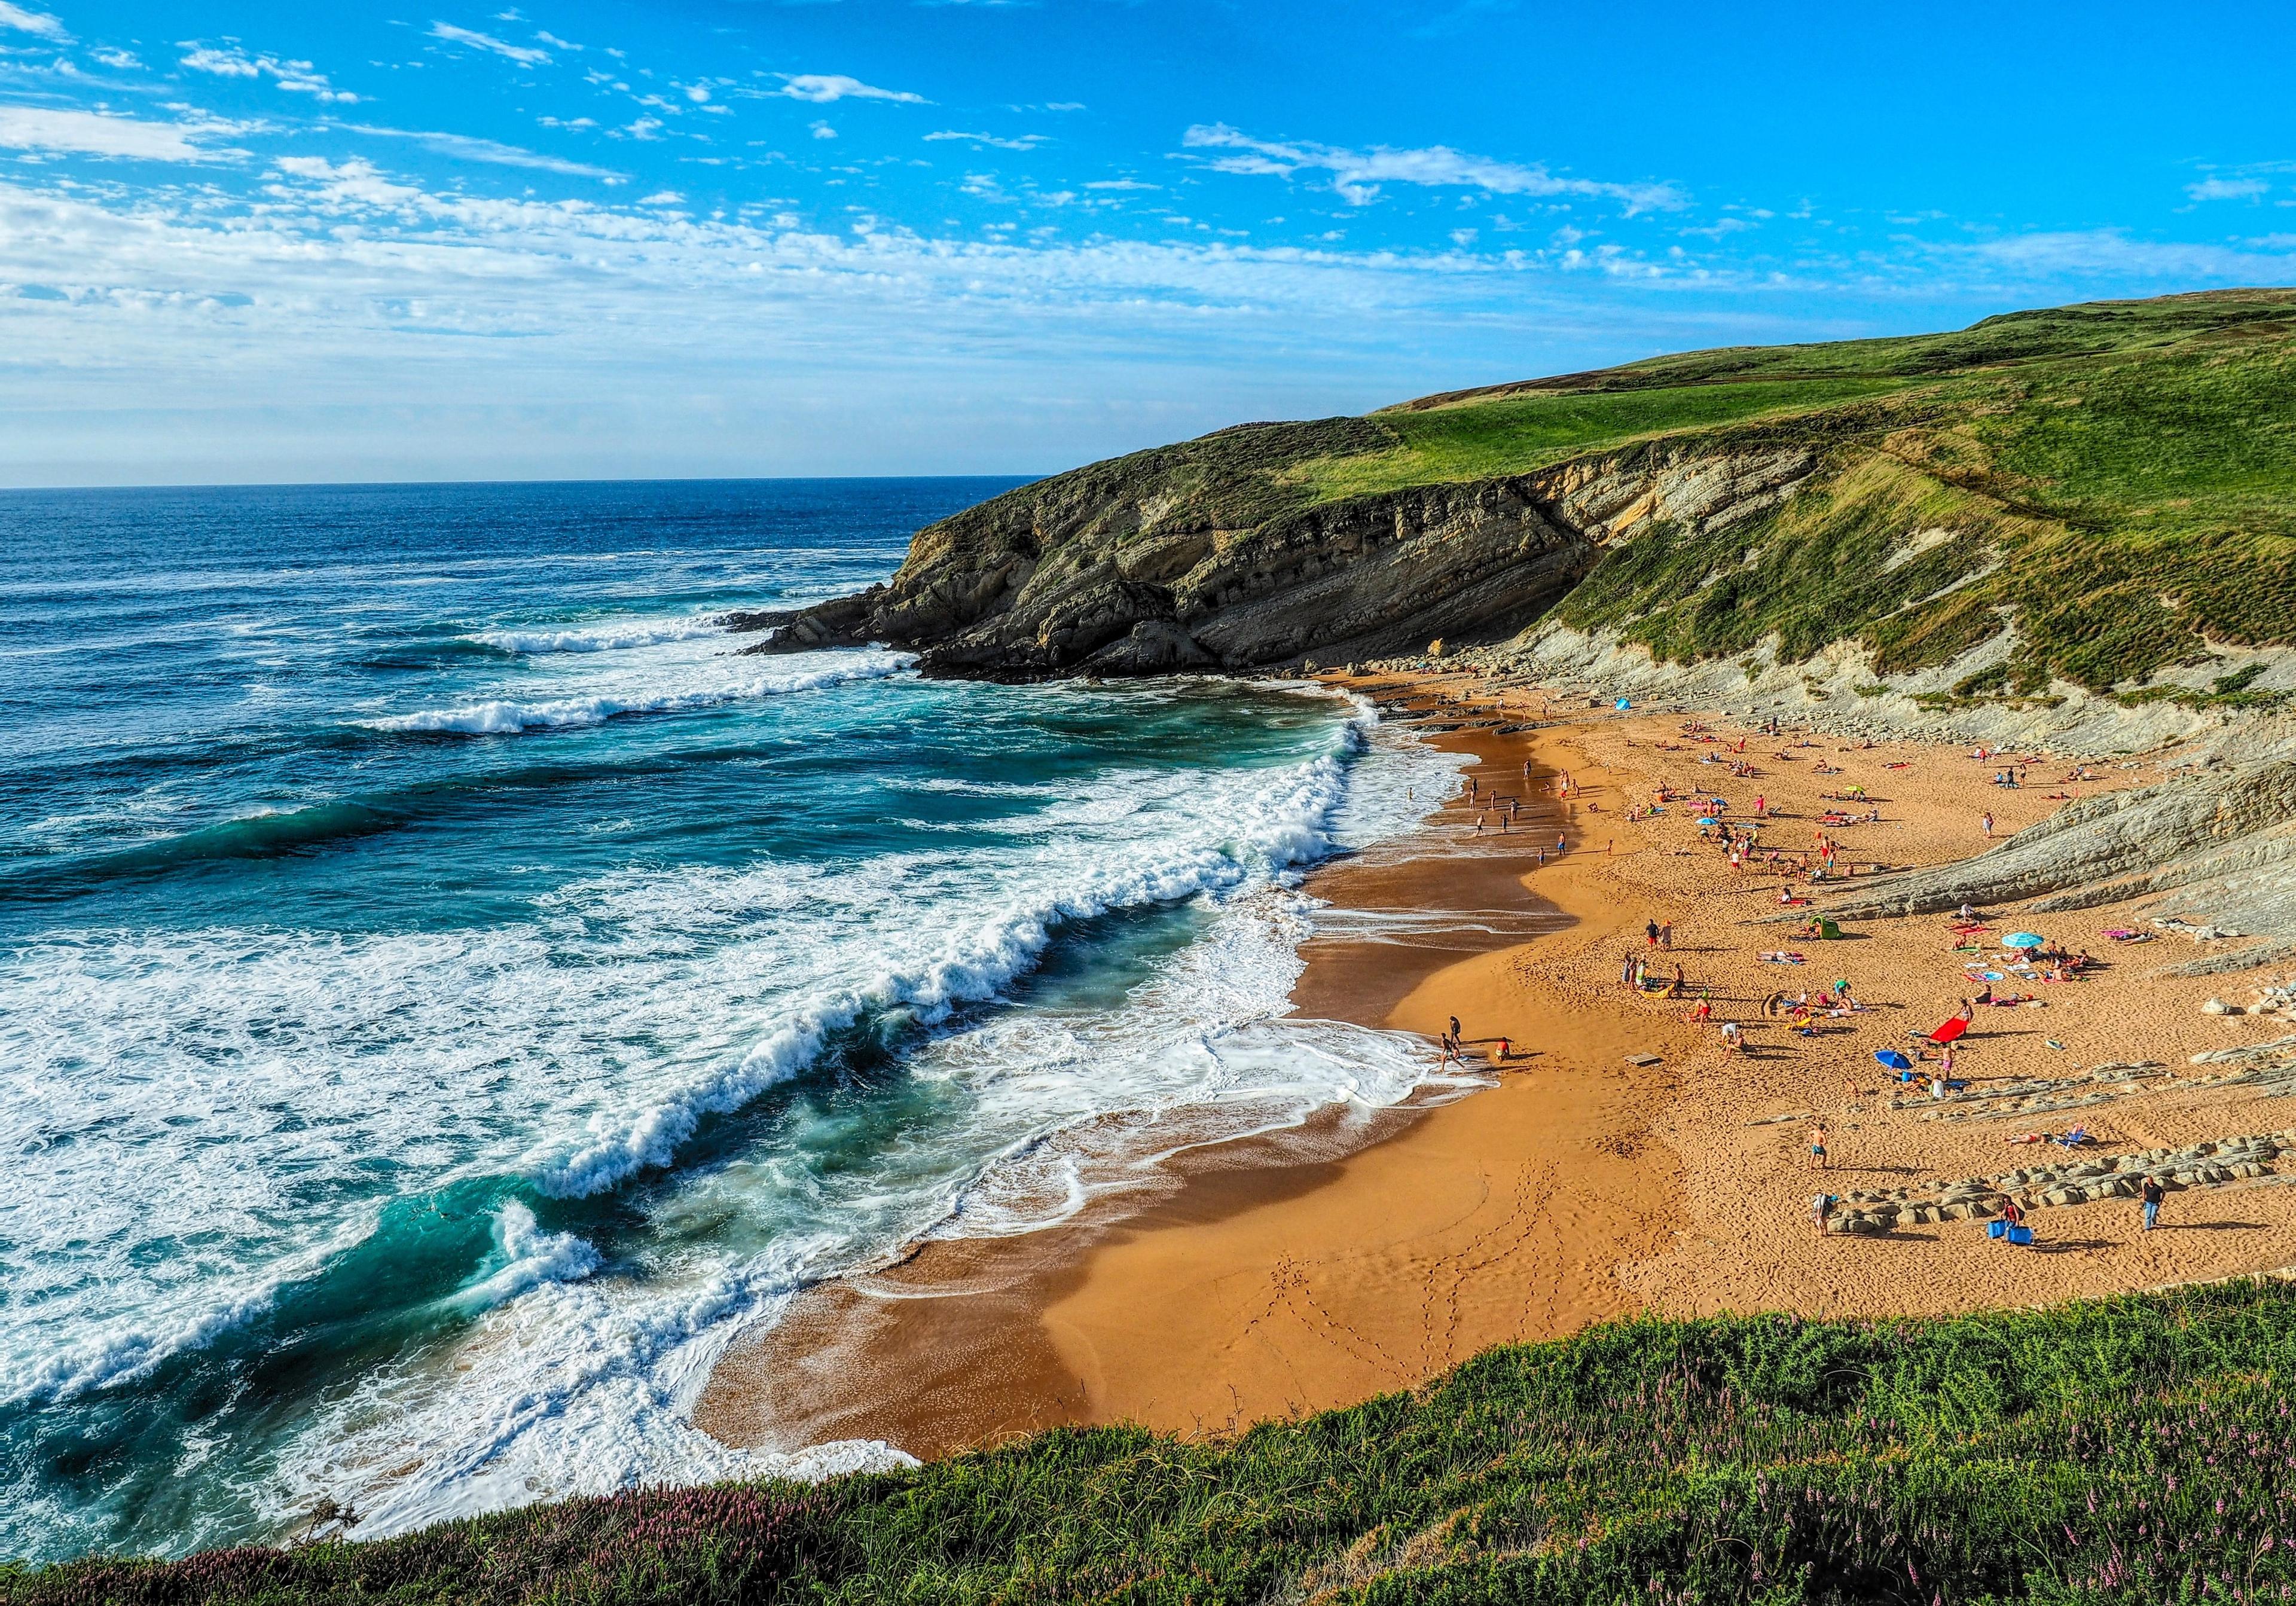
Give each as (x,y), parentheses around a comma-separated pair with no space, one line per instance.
(2140,1449)
(1519,434)
(2121,508)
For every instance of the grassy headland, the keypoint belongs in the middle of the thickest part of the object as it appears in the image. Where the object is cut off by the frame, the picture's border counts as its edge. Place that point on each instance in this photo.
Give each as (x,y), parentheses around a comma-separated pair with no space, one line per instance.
(2110,485)
(2136,1449)
(2117,481)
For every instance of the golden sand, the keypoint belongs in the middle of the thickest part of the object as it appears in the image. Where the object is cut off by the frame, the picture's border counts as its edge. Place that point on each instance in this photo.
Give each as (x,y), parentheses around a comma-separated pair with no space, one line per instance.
(1273,1277)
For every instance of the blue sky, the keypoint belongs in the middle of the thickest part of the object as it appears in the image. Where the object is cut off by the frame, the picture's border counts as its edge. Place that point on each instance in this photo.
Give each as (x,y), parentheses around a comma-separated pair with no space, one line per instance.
(261,241)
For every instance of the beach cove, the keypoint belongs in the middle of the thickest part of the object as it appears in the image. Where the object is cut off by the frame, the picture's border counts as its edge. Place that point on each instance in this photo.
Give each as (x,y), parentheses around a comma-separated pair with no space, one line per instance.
(1620,1162)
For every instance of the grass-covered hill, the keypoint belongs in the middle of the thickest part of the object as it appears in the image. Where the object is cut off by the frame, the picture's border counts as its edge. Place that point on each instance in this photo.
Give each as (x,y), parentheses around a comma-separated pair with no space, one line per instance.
(2115,483)
(2138,1450)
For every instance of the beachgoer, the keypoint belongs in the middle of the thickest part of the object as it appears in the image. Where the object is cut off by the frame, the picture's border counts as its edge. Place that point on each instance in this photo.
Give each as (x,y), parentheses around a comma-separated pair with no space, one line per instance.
(1454,1027)
(2152,1193)
(2012,1212)
(1821,1213)
(1733,1039)
(1988,822)
(1666,937)
(1503,1053)
(1817,1145)
(1650,932)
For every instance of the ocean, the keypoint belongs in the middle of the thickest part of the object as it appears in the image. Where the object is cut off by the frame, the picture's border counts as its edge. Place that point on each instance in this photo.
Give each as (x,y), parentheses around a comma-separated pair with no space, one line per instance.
(447,991)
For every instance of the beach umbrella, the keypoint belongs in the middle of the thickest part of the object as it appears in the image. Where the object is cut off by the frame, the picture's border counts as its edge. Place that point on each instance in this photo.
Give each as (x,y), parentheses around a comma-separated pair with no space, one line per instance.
(2023,939)
(1624,705)
(1707,819)
(1891,1058)
(1950,1030)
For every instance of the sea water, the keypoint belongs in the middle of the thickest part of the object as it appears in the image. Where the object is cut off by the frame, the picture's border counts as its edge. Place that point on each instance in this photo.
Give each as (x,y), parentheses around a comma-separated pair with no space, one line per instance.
(449,989)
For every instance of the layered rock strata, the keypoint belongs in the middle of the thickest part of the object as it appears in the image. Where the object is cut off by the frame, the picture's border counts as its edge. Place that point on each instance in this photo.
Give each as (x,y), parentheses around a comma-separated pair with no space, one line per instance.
(1134,568)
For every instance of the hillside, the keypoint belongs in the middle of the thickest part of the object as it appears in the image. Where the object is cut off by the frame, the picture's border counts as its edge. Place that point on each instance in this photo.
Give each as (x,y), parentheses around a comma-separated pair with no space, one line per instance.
(2092,497)
(2135,1450)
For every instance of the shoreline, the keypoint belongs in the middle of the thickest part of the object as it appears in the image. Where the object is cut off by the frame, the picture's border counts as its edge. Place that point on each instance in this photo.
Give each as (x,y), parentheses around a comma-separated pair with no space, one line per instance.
(967,1341)
(1320,1267)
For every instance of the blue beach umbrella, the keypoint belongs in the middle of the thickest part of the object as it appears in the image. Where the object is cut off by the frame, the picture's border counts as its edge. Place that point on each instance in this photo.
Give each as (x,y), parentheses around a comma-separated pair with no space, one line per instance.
(2023,939)
(1624,705)
(1707,819)
(1891,1058)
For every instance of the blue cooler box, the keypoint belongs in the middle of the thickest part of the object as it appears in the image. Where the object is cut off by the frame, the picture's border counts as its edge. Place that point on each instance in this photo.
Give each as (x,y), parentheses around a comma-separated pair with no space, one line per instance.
(1997,1229)
(2020,1234)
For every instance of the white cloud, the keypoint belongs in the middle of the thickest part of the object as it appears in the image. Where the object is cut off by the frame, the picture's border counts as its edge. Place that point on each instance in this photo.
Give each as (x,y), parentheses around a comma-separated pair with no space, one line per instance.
(822,88)
(463,147)
(89,133)
(662,197)
(2109,253)
(223,63)
(1026,141)
(1357,175)
(297,77)
(822,130)
(552,40)
(32,22)
(122,60)
(2213,188)
(375,326)
(1119,184)
(524,55)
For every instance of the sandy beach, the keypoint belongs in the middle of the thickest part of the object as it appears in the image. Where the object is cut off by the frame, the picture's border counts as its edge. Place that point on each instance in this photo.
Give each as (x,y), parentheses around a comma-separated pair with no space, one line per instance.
(1619,1160)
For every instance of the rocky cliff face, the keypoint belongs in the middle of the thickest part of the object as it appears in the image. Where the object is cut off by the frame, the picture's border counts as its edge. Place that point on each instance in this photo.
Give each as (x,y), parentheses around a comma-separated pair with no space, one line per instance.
(1205,556)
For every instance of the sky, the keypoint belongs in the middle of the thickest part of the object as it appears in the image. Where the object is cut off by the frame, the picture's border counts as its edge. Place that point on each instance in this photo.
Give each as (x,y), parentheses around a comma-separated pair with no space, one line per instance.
(583,238)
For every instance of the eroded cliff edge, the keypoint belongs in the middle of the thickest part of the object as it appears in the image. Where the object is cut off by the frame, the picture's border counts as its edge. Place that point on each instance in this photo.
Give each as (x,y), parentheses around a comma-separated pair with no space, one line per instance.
(1151,563)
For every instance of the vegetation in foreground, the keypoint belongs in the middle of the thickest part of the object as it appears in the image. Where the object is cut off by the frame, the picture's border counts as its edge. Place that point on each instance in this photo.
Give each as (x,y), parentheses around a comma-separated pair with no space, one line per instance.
(2139,1449)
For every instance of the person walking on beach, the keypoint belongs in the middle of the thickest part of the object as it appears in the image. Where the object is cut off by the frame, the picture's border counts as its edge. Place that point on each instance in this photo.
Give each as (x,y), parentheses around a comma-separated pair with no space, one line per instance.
(1821,1213)
(1987,822)
(2152,1193)
(1455,1029)
(1817,1145)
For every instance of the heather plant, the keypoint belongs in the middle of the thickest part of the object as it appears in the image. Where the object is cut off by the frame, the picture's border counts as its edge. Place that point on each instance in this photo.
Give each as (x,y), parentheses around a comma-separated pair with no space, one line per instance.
(2139,1449)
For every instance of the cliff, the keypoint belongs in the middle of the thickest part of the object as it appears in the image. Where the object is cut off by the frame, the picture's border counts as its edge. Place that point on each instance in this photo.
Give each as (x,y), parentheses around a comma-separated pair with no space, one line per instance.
(2100,497)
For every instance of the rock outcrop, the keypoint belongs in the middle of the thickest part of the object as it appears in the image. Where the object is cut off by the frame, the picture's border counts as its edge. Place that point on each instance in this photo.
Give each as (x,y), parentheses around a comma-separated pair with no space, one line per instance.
(2218,844)
(1182,559)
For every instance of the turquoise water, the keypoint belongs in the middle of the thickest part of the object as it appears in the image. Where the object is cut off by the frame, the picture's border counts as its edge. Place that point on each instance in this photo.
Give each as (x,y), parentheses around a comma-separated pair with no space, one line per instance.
(446,991)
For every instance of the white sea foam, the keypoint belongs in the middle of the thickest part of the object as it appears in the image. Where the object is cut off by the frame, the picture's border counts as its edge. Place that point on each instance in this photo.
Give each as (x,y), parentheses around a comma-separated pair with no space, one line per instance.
(497,716)
(530,1257)
(616,636)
